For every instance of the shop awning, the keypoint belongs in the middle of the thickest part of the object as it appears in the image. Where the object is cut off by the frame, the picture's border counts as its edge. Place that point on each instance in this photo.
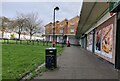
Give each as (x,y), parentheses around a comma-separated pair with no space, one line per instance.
(91,12)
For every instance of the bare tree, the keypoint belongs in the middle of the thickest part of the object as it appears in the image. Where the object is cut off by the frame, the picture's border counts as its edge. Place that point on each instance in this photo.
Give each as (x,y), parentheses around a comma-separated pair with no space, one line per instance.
(33,24)
(19,24)
(5,24)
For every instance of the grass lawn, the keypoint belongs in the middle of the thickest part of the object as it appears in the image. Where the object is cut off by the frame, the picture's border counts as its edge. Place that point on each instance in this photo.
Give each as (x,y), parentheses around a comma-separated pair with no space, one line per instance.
(20,42)
(19,59)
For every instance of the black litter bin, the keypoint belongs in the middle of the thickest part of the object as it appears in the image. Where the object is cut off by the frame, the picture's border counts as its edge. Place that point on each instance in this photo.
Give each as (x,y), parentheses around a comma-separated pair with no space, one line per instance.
(51,60)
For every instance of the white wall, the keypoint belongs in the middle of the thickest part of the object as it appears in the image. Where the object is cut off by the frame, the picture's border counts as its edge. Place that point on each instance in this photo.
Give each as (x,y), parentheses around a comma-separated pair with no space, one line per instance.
(23,37)
(6,35)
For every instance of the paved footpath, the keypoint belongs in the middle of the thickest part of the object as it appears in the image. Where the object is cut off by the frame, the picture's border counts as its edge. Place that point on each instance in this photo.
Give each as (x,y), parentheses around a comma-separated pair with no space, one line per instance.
(77,63)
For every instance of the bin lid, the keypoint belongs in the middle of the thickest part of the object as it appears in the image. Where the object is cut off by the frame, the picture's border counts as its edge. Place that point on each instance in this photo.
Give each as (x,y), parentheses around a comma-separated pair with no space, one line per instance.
(53,48)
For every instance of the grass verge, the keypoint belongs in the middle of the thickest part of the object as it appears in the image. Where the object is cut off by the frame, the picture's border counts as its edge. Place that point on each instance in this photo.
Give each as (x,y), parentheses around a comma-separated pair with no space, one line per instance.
(18,60)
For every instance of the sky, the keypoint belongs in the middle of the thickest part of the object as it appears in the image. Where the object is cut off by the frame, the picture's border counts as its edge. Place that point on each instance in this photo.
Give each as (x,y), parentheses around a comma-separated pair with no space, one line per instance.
(44,9)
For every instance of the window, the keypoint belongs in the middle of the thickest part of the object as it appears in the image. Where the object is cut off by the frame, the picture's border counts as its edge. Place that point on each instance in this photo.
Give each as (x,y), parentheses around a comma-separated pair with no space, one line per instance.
(61,31)
(54,26)
(61,25)
(72,30)
(72,24)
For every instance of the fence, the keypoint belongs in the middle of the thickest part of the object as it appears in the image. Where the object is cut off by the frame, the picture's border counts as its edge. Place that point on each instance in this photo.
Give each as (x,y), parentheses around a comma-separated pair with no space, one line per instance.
(24,42)
(27,42)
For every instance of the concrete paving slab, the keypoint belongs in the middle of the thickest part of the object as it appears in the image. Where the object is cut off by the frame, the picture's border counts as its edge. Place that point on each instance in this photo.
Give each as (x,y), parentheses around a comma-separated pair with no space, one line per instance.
(78,63)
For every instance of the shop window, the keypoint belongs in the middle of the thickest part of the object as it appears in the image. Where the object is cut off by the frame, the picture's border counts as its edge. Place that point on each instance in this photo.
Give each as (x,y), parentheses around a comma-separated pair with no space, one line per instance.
(104,41)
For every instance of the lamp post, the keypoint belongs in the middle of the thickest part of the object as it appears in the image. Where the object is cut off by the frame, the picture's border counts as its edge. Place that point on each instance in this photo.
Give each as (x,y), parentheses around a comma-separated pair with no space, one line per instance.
(56,8)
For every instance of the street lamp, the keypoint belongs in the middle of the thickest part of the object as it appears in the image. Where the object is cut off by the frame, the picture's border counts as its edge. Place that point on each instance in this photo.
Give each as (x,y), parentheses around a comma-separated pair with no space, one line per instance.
(56,8)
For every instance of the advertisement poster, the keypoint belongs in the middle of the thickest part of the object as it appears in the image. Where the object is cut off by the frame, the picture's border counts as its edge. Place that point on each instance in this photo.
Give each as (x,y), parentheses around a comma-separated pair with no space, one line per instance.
(89,41)
(107,41)
(98,41)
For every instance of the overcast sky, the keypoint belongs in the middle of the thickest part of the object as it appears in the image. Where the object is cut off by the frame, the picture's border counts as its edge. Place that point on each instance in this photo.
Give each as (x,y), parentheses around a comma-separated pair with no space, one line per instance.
(44,9)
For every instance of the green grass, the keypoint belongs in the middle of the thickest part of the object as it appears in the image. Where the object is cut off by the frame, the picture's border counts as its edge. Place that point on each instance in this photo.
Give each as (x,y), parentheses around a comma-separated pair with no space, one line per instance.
(19,59)
(20,42)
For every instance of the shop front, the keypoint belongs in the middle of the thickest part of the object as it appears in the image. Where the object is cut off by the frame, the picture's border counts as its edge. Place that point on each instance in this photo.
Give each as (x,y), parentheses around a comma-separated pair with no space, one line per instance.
(83,41)
(115,8)
(102,29)
(90,41)
(104,40)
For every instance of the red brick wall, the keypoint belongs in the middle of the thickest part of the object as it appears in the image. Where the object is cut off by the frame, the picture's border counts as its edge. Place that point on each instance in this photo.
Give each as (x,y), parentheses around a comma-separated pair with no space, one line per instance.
(65,27)
(75,20)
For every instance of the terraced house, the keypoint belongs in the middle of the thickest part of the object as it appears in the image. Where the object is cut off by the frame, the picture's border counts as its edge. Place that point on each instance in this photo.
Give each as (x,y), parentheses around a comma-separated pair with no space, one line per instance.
(65,29)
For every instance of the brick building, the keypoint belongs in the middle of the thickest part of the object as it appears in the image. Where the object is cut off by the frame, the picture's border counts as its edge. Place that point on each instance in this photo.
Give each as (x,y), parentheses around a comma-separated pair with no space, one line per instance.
(65,28)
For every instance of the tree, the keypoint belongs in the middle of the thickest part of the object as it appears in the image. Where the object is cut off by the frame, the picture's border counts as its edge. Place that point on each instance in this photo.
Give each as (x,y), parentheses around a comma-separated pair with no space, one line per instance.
(19,24)
(33,24)
(5,24)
